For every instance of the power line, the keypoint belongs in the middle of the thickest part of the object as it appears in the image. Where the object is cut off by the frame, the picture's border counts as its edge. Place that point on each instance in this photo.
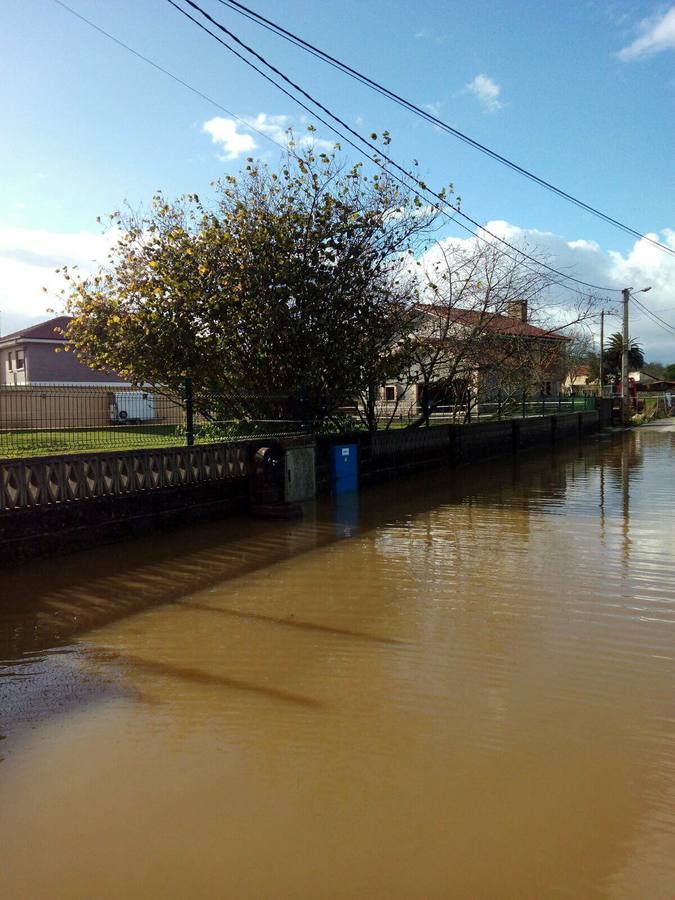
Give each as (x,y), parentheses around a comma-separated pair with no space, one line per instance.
(169,74)
(267,137)
(656,321)
(341,66)
(666,326)
(379,153)
(658,318)
(199,93)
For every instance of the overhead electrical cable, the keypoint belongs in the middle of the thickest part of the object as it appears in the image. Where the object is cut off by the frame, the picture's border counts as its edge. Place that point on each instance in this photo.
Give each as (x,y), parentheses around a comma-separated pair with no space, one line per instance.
(378,151)
(247,124)
(348,70)
(169,74)
(136,53)
(666,326)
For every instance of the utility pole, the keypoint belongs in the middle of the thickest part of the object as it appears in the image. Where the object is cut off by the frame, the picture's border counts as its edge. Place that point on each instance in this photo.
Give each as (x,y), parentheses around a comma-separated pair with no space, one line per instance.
(624,359)
(602,350)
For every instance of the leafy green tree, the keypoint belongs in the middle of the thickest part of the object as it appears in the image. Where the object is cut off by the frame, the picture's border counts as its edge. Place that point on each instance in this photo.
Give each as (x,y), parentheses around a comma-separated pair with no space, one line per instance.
(593,363)
(614,351)
(286,284)
(669,372)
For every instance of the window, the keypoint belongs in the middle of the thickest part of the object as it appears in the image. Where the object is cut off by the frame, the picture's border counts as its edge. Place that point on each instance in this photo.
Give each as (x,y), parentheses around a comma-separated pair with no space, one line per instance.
(19,360)
(9,360)
(390,393)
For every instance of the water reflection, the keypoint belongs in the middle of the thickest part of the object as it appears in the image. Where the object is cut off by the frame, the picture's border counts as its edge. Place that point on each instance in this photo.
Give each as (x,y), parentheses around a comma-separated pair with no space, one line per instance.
(49,602)
(458,685)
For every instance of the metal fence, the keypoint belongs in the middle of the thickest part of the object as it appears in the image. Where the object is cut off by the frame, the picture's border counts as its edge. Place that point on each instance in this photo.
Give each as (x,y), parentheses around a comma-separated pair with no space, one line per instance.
(56,419)
(524,406)
(47,420)
(493,407)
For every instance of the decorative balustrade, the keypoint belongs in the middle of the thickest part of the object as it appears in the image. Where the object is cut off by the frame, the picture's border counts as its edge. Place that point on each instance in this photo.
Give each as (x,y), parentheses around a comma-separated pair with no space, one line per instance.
(44,481)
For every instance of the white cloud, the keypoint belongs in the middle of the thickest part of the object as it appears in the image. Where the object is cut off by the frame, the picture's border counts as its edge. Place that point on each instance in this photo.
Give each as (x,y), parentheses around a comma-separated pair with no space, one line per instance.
(434,108)
(425,34)
(274,127)
(277,128)
(487,91)
(28,259)
(225,133)
(235,143)
(642,266)
(658,34)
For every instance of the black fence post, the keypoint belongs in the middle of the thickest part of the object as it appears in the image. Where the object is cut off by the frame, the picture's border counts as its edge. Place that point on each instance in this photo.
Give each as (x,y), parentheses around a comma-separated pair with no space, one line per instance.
(499,404)
(524,403)
(189,413)
(543,404)
(303,406)
(559,401)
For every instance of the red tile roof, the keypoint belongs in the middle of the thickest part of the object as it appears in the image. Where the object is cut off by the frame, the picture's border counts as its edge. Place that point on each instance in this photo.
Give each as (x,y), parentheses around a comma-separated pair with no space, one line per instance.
(43,331)
(493,322)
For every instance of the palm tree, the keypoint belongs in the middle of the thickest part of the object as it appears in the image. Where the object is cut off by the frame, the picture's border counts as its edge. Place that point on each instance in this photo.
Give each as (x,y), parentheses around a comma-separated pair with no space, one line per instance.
(614,351)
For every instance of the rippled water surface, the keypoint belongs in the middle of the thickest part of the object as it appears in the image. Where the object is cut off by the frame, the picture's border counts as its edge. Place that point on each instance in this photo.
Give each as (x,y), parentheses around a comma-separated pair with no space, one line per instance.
(455,686)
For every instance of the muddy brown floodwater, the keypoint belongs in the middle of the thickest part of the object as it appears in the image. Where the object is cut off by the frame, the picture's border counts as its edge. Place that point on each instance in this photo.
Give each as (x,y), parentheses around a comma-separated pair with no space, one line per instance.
(459,685)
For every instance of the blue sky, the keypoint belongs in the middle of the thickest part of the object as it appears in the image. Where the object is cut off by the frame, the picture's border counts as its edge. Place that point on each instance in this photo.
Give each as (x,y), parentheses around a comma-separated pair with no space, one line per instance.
(582,93)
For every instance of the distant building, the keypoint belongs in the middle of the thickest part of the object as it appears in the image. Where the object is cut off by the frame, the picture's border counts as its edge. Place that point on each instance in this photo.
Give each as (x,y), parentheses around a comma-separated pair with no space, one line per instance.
(662,385)
(578,379)
(643,378)
(29,357)
(516,356)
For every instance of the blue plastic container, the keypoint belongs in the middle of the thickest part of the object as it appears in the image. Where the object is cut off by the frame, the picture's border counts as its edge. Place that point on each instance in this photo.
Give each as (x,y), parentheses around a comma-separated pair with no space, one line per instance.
(345,468)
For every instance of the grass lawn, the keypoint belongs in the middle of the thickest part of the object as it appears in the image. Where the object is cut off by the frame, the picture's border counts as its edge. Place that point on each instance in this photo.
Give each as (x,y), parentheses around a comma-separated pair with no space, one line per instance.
(52,442)
(47,442)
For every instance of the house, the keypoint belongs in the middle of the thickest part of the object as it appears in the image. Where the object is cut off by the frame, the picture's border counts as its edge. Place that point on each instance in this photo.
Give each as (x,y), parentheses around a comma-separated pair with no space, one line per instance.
(662,385)
(643,379)
(33,356)
(578,380)
(508,355)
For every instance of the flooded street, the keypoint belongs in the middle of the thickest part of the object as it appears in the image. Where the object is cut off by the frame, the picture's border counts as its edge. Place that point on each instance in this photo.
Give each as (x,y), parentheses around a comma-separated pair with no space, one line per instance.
(459,685)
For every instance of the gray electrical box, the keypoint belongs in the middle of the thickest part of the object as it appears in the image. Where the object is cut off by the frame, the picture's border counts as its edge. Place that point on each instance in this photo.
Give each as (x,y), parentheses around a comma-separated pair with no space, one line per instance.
(300,474)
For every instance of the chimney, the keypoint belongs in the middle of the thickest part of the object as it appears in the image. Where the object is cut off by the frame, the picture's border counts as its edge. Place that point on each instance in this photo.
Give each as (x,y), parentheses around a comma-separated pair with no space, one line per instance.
(517,309)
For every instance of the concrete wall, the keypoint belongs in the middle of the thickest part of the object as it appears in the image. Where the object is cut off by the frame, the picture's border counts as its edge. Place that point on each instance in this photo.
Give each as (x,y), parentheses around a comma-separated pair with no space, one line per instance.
(71,406)
(395,452)
(79,501)
(31,533)
(48,407)
(44,364)
(67,502)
